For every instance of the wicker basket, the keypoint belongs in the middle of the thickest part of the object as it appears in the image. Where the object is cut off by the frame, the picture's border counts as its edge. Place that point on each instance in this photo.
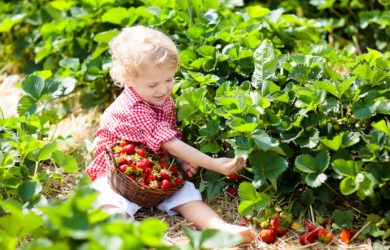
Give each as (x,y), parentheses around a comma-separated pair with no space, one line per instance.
(130,189)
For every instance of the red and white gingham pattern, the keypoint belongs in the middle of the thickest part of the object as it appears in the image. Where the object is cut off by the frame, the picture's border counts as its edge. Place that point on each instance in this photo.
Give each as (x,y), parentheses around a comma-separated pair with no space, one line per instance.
(131,118)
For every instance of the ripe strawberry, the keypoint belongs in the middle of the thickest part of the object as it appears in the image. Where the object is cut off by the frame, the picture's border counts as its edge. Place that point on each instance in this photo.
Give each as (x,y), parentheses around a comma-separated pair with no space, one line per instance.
(123,143)
(233,176)
(177,181)
(173,169)
(128,149)
(144,163)
(307,238)
(327,223)
(165,184)
(121,159)
(324,235)
(140,151)
(267,235)
(122,168)
(346,235)
(281,231)
(275,222)
(232,191)
(243,221)
(165,174)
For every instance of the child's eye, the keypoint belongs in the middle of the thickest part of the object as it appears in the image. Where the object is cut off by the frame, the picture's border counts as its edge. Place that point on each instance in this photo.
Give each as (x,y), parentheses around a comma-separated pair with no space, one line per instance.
(170,80)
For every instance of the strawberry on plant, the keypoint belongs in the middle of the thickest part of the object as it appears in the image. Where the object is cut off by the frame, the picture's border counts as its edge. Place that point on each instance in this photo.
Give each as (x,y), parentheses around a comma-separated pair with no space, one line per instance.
(243,221)
(232,191)
(307,238)
(264,224)
(346,235)
(233,176)
(275,222)
(281,231)
(324,235)
(267,235)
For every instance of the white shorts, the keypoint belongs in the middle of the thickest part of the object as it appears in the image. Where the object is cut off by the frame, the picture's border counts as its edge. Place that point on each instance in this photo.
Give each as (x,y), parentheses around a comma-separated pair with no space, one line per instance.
(108,196)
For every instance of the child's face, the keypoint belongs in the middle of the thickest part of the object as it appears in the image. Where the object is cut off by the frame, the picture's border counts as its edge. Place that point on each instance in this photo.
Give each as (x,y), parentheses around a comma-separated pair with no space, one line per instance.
(154,85)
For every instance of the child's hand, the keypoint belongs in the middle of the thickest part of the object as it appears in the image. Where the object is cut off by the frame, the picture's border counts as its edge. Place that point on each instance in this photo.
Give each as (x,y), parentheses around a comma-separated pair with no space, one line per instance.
(189,169)
(228,166)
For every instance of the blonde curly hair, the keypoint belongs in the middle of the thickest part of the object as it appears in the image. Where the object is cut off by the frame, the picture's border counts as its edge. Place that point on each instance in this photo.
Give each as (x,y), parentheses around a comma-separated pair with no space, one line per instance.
(138,47)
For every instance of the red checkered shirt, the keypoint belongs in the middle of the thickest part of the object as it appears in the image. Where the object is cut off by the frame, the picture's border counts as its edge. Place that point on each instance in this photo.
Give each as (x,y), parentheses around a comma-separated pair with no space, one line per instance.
(131,118)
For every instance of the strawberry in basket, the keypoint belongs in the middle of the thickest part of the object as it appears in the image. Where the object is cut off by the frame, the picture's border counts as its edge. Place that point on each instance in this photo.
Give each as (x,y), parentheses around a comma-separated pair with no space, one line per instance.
(151,170)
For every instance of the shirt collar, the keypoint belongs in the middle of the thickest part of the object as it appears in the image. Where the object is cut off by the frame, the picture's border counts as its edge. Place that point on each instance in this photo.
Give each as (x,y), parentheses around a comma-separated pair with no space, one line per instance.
(134,97)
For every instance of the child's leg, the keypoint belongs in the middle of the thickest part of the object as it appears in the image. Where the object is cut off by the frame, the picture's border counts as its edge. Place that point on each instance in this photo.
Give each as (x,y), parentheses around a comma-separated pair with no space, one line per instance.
(204,217)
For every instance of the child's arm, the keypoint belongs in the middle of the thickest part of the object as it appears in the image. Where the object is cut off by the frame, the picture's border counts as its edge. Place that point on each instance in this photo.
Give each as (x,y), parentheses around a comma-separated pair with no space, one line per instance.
(193,156)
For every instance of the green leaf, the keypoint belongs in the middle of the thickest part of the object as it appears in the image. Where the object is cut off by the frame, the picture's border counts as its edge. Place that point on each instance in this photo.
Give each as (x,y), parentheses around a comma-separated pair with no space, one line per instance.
(28,189)
(348,186)
(383,126)
(67,162)
(362,111)
(116,15)
(210,129)
(328,86)
(350,138)
(342,219)
(316,180)
(45,152)
(335,143)
(214,189)
(210,238)
(207,51)
(267,165)
(101,48)
(306,164)
(27,104)
(105,36)
(264,141)
(265,65)
(250,199)
(33,85)
(322,159)
(152,232)
(345,168)
(241,125)
(367,183)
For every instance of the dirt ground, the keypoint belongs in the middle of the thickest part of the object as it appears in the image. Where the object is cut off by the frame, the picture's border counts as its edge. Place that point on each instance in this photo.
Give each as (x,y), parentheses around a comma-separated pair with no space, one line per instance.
(80,127)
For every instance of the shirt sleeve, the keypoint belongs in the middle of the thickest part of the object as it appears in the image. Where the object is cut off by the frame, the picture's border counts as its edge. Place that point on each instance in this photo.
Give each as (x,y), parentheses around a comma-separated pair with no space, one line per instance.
(142,125)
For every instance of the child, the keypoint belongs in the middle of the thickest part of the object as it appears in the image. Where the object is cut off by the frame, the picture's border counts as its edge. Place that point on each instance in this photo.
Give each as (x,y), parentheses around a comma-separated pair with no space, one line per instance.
(144,62)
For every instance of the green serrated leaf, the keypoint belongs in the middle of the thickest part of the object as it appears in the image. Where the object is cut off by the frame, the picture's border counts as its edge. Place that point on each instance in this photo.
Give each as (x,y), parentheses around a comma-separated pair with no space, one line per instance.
(345,168)
(67,162)
(27,104)
(306,164)
(264,141)
(105,36)
(33,85)
(316,180)
(267,165)
(334,143)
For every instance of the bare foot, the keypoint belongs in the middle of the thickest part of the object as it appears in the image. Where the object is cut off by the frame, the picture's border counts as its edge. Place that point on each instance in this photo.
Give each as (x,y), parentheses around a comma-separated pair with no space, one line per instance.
(246,233)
